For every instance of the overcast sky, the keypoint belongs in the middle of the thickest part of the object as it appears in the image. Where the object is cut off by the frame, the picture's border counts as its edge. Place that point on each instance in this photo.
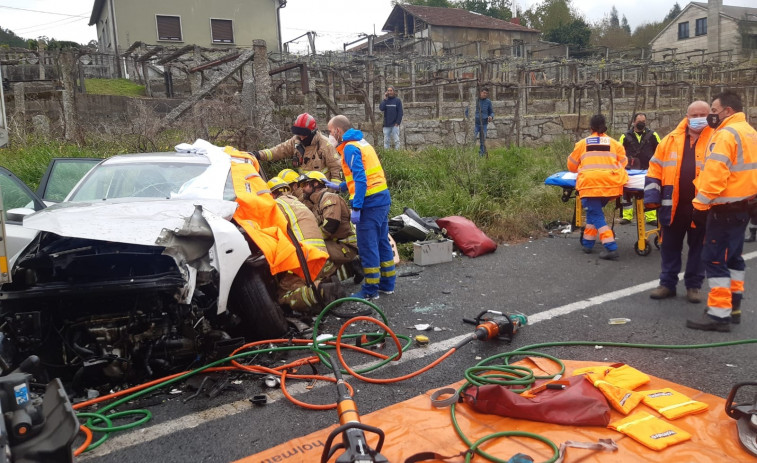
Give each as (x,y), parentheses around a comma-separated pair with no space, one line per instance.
(334,21)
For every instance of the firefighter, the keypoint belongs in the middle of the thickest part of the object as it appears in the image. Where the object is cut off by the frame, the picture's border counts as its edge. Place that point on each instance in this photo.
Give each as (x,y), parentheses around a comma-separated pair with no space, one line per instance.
(292,178)
(370,201)
(640,144)
(293,290)
(308,150)
(724,188)
(333,214)
(600,162)
(669,188)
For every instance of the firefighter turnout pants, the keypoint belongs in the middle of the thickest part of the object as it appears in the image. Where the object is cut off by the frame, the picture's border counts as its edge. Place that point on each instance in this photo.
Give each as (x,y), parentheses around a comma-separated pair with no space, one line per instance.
(723,263)
(375,251)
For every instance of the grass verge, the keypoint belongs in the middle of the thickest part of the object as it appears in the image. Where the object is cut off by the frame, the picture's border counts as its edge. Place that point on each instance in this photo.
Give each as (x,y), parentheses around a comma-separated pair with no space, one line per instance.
(119,87)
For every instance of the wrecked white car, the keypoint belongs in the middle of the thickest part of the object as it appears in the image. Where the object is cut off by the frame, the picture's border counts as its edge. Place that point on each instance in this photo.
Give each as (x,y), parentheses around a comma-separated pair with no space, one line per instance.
(140,271)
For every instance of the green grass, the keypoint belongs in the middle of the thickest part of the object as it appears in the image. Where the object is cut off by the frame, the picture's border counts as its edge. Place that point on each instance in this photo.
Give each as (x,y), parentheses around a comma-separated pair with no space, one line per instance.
(503,194)
(119,87)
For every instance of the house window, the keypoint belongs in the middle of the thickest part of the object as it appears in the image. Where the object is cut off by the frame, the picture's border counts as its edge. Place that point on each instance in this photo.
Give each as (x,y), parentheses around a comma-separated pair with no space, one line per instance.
(750,42)
(169,28)
(683,30)
(701,27)
(221,31)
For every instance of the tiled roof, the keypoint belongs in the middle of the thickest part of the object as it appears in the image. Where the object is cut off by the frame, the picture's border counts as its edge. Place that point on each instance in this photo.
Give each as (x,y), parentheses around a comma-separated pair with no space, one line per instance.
(451,17)
(736,12)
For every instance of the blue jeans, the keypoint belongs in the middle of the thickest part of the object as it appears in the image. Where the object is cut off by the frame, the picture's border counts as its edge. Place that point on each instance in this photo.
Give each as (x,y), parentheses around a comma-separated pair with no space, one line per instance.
(481,150)
(393,134)
(672,245)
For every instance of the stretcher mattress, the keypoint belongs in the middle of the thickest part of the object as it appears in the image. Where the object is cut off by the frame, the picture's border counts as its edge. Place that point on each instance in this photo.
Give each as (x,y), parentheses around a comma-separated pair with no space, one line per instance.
(415,426)
(568,179)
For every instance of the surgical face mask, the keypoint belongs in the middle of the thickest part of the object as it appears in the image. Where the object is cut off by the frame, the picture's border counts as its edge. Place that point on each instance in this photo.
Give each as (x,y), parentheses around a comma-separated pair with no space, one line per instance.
(697,123)
(332,141)
(640,126)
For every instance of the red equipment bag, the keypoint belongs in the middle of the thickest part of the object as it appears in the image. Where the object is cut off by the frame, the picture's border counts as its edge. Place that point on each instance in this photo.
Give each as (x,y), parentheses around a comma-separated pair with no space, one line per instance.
(466,235)
(579,404)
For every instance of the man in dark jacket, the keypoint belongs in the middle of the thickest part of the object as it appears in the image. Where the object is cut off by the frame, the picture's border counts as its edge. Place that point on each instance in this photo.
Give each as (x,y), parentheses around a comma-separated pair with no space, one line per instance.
(640,143)
(484,115)
(391,106)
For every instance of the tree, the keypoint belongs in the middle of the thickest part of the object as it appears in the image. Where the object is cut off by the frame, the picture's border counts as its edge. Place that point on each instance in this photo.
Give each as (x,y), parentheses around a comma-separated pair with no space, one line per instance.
(9,38)
(609,33)
(674,11)
(625,26)
(549,15)
(644,33)
(499,9)
(576,32)
(614,20)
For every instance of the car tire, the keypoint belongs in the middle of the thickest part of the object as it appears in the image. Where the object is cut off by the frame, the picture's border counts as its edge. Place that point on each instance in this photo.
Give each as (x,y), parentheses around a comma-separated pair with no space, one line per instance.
(262,318)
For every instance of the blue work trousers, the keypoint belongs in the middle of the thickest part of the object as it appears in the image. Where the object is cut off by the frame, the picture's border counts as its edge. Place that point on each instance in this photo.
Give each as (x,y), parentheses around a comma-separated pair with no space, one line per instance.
(723,263)
(671,247)
(595,218)
(376,254)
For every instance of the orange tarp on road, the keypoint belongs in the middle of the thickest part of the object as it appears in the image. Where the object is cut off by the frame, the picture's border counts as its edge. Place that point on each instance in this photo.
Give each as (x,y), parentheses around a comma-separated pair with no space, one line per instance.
(414,426)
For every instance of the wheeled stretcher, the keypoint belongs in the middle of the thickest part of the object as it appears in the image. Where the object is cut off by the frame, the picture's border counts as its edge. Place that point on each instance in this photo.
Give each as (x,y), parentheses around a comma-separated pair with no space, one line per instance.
(633,190)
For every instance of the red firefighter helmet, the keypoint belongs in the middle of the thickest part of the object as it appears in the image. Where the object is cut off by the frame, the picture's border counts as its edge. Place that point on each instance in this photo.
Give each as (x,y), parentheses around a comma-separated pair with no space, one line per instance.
(304,125)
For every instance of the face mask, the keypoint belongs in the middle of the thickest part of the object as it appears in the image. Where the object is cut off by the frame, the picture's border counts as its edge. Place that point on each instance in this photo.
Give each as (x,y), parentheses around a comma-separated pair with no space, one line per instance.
(332,141)
(697,123)
(640,125)
(713,120)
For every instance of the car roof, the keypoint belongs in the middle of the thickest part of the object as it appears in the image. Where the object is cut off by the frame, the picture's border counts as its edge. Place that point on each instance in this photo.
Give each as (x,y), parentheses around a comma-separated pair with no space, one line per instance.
(165,157)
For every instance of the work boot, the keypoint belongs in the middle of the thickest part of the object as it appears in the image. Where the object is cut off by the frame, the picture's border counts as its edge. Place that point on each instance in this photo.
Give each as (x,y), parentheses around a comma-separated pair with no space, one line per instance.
(706,322)
(736,312)
(609,255)
(662,292)
(331,292)
(752,235)
(357,269)
(693,295)
(624,221)
(587,250)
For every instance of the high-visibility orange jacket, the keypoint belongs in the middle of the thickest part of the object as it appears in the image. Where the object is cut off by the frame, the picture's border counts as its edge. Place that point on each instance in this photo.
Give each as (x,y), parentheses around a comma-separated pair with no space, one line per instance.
(730,168)
(661,183)
(600,162)
(260,217)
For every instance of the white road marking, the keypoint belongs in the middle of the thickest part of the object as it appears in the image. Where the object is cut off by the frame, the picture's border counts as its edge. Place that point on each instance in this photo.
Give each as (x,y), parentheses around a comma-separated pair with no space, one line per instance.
(143,435)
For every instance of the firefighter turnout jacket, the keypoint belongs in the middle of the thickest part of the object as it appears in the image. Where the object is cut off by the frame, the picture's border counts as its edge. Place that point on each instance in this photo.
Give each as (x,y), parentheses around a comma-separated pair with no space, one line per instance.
(319,155)
(730,168)
(661,184)
(600,162)
(302,221)
(640,147)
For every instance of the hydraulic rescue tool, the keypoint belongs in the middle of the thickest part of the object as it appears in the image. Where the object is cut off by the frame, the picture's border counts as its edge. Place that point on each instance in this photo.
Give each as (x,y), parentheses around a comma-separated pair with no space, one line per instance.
(492,324)
(356,448)
(35,429)
(745,415)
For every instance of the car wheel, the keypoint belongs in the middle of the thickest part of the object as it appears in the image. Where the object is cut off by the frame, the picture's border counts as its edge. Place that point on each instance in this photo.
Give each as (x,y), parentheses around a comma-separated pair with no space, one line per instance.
(262,318)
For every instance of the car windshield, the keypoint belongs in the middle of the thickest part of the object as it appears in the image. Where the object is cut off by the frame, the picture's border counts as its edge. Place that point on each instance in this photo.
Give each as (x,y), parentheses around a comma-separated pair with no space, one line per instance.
(137,180)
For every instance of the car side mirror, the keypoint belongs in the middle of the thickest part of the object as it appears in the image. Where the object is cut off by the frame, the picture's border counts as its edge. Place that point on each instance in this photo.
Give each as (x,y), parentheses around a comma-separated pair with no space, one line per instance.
(18,214)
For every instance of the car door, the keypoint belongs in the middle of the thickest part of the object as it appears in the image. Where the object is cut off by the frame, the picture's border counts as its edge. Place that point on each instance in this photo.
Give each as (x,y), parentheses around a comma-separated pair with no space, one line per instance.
(18,201)
(61,176)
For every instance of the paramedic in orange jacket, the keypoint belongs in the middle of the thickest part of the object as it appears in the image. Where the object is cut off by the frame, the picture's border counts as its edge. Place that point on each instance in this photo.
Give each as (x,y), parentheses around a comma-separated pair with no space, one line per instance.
(600,162)
(724,188)
(669,186)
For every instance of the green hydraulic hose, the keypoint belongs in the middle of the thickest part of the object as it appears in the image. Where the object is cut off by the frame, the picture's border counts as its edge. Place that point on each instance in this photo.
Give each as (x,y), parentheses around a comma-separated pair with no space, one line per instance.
(518,380)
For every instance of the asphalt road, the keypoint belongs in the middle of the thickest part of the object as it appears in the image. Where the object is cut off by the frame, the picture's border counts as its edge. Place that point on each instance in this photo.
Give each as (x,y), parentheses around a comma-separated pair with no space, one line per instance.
(568,296)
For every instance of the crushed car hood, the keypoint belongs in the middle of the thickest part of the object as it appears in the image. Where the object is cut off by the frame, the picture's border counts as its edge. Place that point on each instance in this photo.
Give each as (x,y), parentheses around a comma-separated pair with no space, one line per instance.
(134,222)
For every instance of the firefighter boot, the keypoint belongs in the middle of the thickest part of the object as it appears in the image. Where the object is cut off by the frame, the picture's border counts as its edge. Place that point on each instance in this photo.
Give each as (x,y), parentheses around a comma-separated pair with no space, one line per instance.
(357,269)
(752,235)
(332,291)
(736,312)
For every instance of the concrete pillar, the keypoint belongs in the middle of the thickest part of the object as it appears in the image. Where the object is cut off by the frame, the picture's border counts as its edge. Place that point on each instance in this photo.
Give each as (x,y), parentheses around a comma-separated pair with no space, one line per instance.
(263,116)
(439,100)
(70,120)
(713,27)
(19,103)
(412,79)
(248,91)
(195,78)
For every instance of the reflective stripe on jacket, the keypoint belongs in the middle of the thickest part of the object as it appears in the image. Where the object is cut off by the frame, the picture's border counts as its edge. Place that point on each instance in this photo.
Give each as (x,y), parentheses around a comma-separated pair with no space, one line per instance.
(730,168)
(362,169)
(303,222)
(600,162)
(661,183)
(319,155)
